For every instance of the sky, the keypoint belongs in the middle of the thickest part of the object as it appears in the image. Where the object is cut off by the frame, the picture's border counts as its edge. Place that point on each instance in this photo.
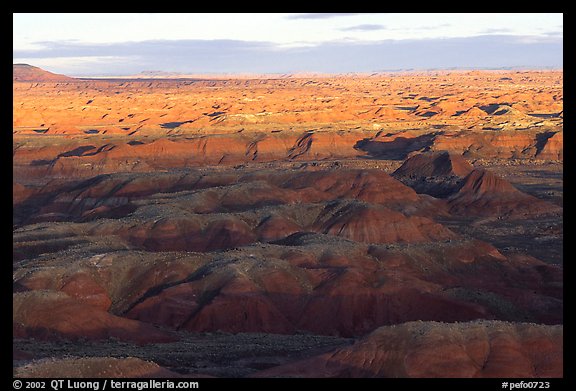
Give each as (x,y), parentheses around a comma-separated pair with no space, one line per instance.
(107,44)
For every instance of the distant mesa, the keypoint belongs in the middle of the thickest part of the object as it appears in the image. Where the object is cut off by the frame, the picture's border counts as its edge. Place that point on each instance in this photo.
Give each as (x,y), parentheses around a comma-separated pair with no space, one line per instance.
(159,74)
(25,72)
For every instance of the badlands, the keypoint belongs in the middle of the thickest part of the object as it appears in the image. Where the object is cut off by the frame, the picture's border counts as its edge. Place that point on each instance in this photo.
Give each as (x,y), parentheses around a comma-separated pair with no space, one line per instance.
(377,225)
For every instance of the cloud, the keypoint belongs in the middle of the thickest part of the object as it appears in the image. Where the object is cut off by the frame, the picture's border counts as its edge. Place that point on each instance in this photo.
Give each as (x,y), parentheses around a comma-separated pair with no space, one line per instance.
(488,51)
(319,15)
(364,27)
(554,33)
(436,27)
(496,30)
(144,48)
(420,28)
(228,56)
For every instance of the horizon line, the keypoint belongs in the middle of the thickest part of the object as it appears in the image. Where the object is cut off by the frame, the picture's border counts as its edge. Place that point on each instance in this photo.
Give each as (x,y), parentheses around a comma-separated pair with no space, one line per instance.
(173,75)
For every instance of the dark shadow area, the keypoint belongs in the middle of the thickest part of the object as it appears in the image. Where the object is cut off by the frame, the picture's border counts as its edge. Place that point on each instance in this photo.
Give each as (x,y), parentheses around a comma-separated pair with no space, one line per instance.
(541,140)
(215,114)
(407,108)
(34,249)
(217,354)
(117,212)
(296,239)
(492,107)
(501,112)
(459,113)
(438,187)
(397,149)
(541,238)
(78,151)
(28,209)
(42,162)
(550,115)
(428,114)
(173,125)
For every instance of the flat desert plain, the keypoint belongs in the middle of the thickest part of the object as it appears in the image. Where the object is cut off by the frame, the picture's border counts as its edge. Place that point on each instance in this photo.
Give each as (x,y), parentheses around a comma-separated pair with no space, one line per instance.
(377,225)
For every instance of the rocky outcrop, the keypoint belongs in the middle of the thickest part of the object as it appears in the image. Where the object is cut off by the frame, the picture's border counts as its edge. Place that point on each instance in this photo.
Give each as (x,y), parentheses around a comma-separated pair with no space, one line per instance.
(442,163)
(438,174)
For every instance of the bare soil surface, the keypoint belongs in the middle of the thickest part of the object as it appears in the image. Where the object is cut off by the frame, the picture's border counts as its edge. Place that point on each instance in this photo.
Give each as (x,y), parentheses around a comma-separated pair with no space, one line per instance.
(216,354)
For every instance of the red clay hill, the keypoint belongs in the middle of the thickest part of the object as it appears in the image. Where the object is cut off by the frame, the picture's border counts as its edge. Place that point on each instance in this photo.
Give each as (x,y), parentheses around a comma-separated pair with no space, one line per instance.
(430,350)
(467,191)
